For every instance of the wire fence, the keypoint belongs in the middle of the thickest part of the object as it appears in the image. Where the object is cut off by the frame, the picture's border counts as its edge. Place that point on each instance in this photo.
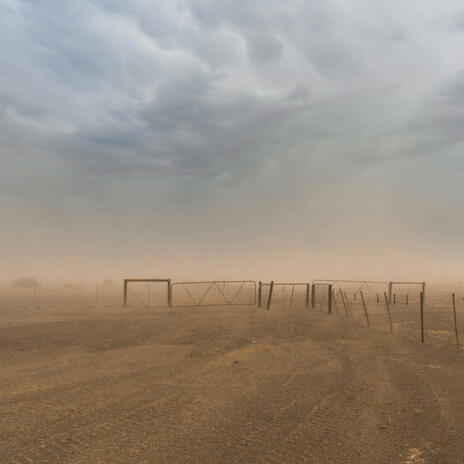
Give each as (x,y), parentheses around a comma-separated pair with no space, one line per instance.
(440,322)
(437,320)
(214,293)
(41,295)
(284,294)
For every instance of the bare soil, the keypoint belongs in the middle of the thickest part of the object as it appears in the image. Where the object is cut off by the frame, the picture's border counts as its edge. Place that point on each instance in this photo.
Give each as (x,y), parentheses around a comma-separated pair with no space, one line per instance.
(222,385)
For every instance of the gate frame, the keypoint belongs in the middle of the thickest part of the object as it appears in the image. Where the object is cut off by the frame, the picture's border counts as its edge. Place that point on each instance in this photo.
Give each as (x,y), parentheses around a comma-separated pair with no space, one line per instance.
(329,286)
(216,282)
(168,281)
(288,284)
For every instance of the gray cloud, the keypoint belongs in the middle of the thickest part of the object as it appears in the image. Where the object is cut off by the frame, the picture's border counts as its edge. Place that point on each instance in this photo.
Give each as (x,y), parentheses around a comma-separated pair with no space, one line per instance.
(180,108)
(264,49)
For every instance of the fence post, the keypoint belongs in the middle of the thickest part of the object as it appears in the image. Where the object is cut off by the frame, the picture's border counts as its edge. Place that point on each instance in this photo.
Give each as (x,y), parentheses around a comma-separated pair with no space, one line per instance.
(394,298)
(260,290)
(335,302)
(307,295)
(169,293)
(378,299)
(456,325)
(329,299)
(390,291)
(269,299)
(291,297)
(387,306)
(313,296)
(407,299)
(344,303)
(422,316)
(348,302)
(365,308)
(125,293)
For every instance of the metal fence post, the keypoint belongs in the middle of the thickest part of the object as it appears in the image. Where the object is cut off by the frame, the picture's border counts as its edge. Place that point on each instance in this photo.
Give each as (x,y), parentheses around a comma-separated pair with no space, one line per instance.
(458,347)
(169,293)
(422,316)
(269,299)
(365,308)
(388,312)
(125,293)
(329,299)
(344,303)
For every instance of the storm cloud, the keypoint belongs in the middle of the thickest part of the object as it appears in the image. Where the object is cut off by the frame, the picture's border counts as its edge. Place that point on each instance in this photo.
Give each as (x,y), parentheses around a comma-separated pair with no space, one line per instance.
(309,134)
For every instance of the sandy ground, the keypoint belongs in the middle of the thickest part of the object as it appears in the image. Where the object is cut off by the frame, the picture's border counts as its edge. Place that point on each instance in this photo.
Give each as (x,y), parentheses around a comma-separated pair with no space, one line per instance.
(222,385)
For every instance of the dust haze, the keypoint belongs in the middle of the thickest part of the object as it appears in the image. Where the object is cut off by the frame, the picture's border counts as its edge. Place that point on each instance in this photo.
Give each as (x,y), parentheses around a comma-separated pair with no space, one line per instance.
(281,183)
(305,139)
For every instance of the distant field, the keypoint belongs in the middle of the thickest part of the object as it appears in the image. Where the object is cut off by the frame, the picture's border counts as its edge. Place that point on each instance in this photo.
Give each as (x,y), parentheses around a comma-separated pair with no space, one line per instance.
(106,384)
(21,305)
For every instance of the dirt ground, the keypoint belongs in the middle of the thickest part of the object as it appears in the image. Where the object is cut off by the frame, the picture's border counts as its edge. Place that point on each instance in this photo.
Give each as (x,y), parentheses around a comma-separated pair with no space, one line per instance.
(222,385)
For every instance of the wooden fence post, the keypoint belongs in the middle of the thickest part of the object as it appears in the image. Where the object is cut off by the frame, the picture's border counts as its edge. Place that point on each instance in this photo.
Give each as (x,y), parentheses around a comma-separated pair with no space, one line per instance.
(335,302)
(307,295)
(291,297)
(348,302)
(260,294)
(313,296)
(422,316)
(125,293)
(329,299)
(269,299)
(387,306)
(169,293)
(344,303)
(365,308)
(458,348)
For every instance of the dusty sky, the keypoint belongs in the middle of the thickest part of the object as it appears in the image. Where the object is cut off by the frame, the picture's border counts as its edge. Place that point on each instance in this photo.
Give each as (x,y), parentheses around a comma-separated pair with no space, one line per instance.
(232,139)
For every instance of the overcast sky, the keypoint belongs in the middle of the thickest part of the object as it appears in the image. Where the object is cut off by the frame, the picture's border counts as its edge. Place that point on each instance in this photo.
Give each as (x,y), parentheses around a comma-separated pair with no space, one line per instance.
(229,138)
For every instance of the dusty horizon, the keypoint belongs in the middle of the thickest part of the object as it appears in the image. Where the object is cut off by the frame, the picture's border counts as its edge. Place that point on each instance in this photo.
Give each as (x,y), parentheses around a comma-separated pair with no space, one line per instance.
(219,144)
(231,140)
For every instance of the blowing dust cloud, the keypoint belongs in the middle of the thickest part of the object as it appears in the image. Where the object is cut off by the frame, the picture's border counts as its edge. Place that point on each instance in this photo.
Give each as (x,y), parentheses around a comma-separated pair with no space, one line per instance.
(231,231)
(201,139)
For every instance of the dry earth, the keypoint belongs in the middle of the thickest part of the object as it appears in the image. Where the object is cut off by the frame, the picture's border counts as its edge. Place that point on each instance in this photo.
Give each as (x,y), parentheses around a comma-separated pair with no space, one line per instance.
(228,385)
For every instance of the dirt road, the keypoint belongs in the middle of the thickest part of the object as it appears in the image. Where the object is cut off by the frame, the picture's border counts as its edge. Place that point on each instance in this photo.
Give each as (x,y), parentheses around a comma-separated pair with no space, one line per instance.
(224,386)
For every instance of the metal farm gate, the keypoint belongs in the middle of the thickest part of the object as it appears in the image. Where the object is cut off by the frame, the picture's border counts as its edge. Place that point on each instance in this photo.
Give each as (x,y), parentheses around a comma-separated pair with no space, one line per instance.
(214,293)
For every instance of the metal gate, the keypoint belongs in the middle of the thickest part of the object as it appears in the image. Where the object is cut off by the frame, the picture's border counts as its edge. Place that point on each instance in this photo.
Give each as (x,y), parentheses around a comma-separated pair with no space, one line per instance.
(214,293)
